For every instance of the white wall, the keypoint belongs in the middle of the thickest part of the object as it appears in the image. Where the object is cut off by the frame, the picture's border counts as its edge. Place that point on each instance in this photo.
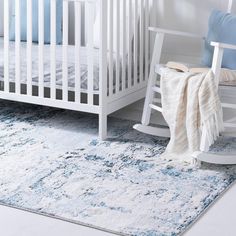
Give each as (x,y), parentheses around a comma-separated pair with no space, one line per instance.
(186,15)
(1,17)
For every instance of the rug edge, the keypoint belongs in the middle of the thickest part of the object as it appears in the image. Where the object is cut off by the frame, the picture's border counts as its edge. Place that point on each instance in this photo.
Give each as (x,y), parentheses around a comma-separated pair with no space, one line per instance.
(207,208)
(64,219)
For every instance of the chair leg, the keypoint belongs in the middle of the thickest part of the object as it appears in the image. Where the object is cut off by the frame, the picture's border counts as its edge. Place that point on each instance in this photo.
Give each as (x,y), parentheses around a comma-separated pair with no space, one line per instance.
(196,162)
(152,78)
(102,126)
(148,100)
(144,127)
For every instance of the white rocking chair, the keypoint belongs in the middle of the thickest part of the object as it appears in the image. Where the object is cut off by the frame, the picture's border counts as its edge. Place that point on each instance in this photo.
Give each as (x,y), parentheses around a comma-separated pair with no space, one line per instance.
(151,102)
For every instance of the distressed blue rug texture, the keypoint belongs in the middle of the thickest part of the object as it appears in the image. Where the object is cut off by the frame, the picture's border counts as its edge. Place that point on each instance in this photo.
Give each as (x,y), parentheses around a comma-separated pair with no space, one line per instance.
(51,162)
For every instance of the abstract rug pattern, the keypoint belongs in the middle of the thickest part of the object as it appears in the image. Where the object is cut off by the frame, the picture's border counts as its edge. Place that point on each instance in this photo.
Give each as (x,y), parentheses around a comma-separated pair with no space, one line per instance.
(51,162)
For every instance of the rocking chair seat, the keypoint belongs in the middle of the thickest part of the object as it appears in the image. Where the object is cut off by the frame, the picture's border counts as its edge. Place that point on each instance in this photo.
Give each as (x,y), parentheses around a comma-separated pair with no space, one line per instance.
(227,77)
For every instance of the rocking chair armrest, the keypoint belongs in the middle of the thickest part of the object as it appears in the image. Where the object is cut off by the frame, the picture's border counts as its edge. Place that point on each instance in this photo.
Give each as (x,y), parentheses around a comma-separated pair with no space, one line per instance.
(223,45)
(175,32)
(218,57)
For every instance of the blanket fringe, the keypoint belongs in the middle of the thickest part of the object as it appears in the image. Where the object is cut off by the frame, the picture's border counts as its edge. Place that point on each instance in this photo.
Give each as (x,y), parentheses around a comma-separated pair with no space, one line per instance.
(214,125)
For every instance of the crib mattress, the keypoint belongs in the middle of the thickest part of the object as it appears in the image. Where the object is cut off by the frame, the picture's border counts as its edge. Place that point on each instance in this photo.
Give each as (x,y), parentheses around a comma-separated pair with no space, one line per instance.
(59,62)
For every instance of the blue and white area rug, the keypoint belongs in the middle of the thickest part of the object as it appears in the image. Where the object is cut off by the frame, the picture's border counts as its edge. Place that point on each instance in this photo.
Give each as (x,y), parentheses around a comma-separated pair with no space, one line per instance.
(52,163)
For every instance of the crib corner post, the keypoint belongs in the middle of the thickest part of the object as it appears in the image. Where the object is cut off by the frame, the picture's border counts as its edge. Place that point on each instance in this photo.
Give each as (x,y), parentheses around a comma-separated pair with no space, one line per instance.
(103,70)
(102,126)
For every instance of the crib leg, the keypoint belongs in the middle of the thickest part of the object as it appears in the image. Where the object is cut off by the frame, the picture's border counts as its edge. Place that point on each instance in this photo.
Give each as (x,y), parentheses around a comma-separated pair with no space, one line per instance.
(102,126)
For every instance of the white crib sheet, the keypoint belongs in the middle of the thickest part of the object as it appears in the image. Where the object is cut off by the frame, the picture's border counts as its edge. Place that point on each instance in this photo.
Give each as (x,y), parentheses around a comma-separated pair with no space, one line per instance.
(71,65)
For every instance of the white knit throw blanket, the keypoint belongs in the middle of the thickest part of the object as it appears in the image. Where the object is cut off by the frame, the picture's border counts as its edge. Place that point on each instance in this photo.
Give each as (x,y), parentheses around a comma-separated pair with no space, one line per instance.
(190,102)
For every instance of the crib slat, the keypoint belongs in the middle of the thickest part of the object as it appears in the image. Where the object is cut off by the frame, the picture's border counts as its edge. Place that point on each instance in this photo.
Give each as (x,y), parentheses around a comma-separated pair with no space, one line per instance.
(111,63)
(141,60)
(17,46)
(77,50)
(135,42)
(130,44)
(41,46)
(29,47)
(146,39)
(124,47)
(65,52)
(6,46)
(53,49)
(90,48)
(118,46)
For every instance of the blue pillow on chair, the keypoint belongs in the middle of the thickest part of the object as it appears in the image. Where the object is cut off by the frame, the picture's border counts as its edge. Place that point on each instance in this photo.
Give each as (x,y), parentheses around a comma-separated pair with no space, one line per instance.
(222,28)
(23,15)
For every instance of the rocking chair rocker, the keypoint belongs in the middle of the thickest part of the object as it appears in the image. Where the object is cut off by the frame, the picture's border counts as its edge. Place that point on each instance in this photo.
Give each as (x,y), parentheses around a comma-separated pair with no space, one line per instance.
(153,103)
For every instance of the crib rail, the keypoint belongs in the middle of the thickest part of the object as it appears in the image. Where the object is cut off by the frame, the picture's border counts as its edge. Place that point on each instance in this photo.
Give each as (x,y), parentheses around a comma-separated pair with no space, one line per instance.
(120,61)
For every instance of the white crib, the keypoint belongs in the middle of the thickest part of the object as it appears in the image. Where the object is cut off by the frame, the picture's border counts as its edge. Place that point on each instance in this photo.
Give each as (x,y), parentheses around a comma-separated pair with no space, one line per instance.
(57,75)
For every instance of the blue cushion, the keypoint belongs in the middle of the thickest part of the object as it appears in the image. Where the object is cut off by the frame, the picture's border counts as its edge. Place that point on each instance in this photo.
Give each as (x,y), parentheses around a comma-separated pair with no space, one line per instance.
(23,15)
(222,28)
